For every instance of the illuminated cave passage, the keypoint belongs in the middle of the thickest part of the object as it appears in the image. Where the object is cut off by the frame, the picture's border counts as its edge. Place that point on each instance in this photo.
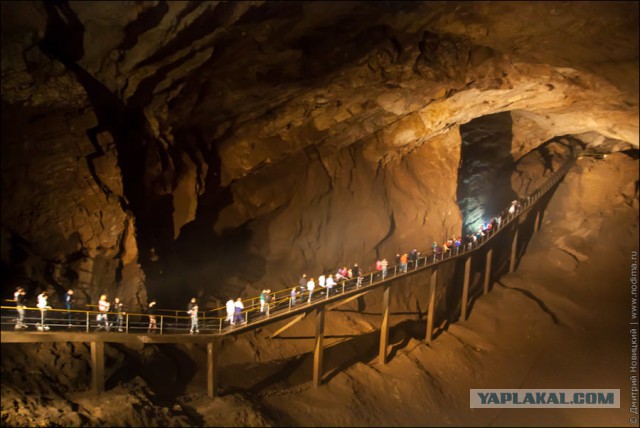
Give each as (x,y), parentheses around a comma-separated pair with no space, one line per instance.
(213,149)
(486,165)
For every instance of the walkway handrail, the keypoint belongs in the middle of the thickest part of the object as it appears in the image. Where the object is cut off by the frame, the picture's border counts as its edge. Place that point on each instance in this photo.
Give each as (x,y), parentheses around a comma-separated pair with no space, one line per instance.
(528,202)
(281,301)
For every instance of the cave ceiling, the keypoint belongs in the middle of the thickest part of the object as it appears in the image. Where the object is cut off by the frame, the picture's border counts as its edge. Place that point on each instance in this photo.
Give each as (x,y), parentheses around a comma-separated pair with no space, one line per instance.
(207,101)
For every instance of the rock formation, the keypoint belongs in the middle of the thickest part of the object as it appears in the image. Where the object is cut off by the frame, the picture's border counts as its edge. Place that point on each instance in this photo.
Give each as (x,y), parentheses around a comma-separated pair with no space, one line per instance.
(171,149)
(248,141)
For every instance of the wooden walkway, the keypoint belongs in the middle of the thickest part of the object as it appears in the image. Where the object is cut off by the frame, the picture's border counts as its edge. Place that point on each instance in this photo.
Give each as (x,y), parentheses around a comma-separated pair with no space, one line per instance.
(317,307)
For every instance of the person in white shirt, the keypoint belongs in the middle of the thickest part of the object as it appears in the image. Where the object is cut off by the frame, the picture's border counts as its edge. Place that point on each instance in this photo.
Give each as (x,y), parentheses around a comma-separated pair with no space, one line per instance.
(192,310)
(230,310)
(310,286)
(330,283)
(43,305)
(103,308)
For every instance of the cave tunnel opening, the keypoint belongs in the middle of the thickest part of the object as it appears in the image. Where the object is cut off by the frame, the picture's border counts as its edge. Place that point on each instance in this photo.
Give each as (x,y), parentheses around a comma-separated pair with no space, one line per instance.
(484,172)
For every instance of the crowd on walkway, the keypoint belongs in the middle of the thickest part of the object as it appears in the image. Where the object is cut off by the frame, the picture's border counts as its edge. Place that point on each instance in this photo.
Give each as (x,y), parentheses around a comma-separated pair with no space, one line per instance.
(325,283)
(102,317)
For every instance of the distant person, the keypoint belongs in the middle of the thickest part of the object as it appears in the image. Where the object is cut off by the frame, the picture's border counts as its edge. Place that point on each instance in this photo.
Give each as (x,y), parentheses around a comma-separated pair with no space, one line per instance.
(413,258)
(238,316)
(404,258)
(512,208)
(264,300)
(357,273)
(322,280)
(103,309)
(267,300)
(118,307)
(445,249)
(458,243)
(330,283)
(311,285)
(294,295)
(437,253)
(68,302)
(43,305)
(384,264)
(356,270)
(302,282)
(192,310)
(344,272)
(231,308)
(20,296)
(151,310)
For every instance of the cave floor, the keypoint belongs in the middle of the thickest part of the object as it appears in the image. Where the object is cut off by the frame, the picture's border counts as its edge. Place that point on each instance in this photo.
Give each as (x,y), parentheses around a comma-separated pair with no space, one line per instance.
(554,324)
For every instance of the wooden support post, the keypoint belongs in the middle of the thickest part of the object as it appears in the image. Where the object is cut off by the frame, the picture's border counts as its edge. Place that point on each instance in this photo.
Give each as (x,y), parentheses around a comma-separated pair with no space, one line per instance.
(465,288)
(97,366)
(384,328)
(487,271)
(318,348)
(536,224)
(514,246)
(432,305)
(212,368)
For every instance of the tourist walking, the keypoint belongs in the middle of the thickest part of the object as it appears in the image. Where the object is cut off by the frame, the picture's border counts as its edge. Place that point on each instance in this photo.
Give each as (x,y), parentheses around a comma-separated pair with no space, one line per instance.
(311,285)
(193,311)
(238,316)
(357,273)
(103,308)
(118,307)
(68,302)
(330,283)
(43,305)
(403,262)
(151,310)
(20,296)
(231,307)
(264,300)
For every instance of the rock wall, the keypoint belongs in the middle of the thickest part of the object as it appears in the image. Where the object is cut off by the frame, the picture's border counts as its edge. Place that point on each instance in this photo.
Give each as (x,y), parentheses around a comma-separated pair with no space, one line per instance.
(233,145)
(63,221)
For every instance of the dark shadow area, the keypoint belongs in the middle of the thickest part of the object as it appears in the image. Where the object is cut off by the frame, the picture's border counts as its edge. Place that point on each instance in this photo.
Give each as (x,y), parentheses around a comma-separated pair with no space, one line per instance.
(484,174)
(167,370)
(150,171)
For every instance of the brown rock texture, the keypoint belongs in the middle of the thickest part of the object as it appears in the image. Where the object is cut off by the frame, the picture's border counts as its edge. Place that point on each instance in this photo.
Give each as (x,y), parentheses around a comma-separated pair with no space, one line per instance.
(260,123)
(211,149)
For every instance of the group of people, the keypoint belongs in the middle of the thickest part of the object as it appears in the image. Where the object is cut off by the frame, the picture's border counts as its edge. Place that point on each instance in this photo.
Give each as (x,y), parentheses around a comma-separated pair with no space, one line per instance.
(193,310)
(325,282)
(20,297)
(104,307)
(102,318)
(235,309)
